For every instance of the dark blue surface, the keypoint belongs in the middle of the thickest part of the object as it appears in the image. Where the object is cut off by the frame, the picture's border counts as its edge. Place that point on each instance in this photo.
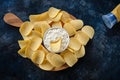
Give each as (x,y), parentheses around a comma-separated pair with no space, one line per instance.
(102,59)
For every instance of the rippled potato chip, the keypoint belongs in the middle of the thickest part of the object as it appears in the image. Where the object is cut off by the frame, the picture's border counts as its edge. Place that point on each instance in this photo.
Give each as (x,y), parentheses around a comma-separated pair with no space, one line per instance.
(46,66)
(74,44)
(56,45)
(35,43)
(52,12)
(23,43)
(56,60)
(58,17)
(66,17)
(39,17)
(38,57)
(69,58)
(89,31)
(80,53)
(43,49)
(26,28)
(82,37)
(28,52)
(22,52)
(41,27)
(69,28)
(77,24)
(57,24)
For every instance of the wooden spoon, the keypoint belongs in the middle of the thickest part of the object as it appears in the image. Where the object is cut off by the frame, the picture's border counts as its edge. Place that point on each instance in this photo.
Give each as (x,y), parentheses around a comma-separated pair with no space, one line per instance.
(12,20)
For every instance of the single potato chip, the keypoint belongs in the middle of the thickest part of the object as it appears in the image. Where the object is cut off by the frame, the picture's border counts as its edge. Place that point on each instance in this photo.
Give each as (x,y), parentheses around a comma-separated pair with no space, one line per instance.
(57,24)
(65,17)
(39,17)
(46,66)
(80,53)
(23,43)
(77,24)
(82,37)
(74,44)
(57,60)
(22,52)
(69,28)
(28,52)
(58,17)
(26,28)
(89,31)
(70,58)
(38,57)
(35,43)
(52,12)
(56,45)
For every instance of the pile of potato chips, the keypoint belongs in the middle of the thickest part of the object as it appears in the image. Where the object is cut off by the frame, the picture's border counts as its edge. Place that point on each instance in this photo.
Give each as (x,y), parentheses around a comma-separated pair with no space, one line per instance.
(33,32)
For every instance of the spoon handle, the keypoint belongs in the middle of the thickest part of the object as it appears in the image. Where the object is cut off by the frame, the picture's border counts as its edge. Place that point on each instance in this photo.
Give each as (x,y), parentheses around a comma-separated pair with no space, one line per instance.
(12,20)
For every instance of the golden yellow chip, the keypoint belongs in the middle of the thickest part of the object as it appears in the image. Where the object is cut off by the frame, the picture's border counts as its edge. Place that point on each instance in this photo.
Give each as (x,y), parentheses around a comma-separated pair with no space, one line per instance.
(52,12)
(28,52)
(74,44)
(43,49)
(80,53)
(38,57)
(22,52)
(56,45)
(71,50)
(66,17)
(46,66)
(41,26)
(35,43)
(55,59)
(37,33)
(57,24)
(26,28)
(69,28)
(89,31)
(77,24)
(58,17)
(70,58)
(39,17)
(82,37)
(23,43)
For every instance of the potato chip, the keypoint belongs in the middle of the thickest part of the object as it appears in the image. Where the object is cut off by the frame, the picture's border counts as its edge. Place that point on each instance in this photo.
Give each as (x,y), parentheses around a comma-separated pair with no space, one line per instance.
(71,50)
(39,17)
(48,57)
(28,52)
(69,28)
(58,17)
(77,24)
(26,28)
(57,24)
(57,43)
(82,37)
(57,60)
(22,52)
(43,49)
(74,44)
(66,17)
(37,33)
(70,58)
(46,66)
(38,57)
(60,68)
(52,12)
(35,43)
(41,26)
(23,43)
(89,31)
(80,53)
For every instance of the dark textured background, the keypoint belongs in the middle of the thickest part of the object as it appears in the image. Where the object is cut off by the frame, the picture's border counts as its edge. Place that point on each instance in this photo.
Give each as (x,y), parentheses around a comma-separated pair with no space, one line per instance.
(102,59)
